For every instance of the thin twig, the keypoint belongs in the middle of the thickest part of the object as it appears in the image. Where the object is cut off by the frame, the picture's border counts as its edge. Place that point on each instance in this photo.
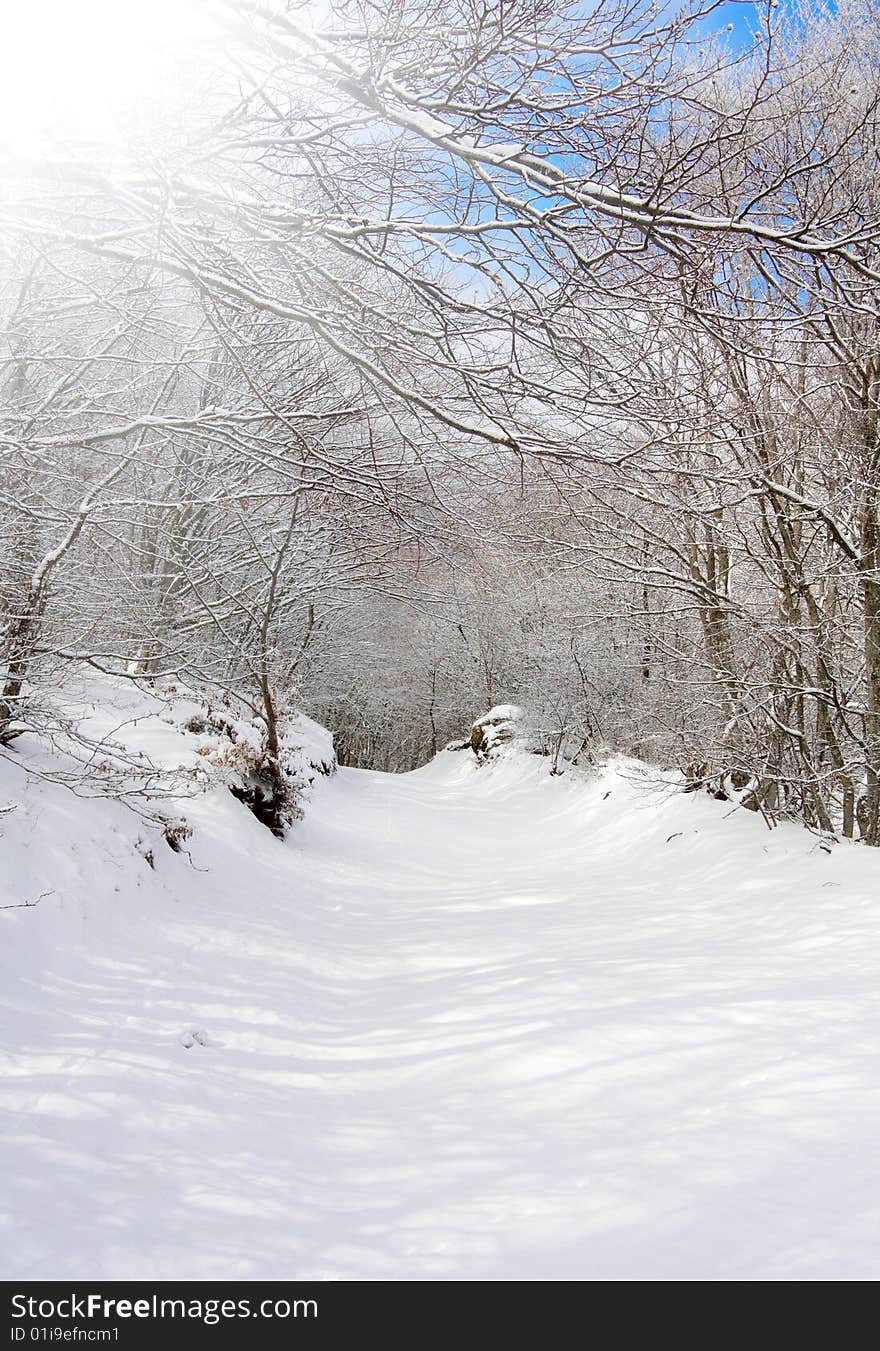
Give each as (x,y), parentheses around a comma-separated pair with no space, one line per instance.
(27,905)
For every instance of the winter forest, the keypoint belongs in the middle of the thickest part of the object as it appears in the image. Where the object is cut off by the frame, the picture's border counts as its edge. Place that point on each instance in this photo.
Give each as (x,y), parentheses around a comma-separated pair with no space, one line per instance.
(432,357)
(493,375)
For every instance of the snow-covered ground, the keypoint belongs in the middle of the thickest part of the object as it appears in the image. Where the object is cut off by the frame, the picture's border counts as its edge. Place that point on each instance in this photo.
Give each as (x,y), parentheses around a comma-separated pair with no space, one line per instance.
(465,1023)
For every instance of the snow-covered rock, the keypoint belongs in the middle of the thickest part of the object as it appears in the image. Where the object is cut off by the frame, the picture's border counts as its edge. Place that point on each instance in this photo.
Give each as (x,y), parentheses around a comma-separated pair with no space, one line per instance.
(501,725)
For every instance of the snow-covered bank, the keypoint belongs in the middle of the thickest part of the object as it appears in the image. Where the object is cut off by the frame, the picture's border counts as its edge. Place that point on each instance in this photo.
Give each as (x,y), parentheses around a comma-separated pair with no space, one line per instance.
(464,1023)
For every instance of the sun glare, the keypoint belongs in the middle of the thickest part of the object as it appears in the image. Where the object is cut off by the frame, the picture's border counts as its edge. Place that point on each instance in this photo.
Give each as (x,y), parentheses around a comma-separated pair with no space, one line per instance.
(88,69)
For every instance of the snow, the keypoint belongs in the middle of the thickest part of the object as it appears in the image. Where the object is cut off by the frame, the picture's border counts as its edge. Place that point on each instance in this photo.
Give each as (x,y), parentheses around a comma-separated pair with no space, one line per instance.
(497,730)
(473,1022)
(500,713)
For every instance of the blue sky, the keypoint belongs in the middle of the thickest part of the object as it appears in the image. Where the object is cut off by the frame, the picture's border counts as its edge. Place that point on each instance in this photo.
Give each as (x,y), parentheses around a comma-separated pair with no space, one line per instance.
(745,17)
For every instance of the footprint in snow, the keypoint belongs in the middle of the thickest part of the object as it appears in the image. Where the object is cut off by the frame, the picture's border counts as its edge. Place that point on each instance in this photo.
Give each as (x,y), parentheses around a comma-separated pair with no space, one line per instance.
(194,1036)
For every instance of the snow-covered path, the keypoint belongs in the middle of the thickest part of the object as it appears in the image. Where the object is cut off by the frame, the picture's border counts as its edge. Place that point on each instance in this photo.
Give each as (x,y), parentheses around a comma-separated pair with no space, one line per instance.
(467,1025)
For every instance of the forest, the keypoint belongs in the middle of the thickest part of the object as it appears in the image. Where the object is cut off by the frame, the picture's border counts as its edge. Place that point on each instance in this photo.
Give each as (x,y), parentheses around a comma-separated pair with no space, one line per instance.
(439,653)
(417,358)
